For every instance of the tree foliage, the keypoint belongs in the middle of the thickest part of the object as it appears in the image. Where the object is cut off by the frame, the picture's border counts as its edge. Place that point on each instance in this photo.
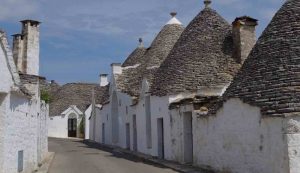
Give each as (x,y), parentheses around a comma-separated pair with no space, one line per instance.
(45,96)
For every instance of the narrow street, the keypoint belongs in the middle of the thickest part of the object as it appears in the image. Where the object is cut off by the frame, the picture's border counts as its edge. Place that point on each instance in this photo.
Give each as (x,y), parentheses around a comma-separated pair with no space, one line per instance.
(74,156)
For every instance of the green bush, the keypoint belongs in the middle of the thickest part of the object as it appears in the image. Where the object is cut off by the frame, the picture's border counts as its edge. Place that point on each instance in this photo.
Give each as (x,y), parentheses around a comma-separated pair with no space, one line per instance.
(81,125)
(45,96)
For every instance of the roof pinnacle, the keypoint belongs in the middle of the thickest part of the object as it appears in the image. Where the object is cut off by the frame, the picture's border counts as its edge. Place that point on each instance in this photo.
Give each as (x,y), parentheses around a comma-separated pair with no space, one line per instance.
(173,14)
(141,44)
(174,20)
(207,3)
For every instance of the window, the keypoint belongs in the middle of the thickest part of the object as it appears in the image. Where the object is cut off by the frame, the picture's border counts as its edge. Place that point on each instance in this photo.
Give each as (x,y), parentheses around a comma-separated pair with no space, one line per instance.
(126,110)
(120,103)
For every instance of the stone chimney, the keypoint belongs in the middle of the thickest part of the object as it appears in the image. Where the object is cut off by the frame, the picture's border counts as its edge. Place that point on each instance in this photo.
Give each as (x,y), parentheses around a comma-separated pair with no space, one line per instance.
(116,68)
(103,79)
(244,37)
(18,50)
(26,48)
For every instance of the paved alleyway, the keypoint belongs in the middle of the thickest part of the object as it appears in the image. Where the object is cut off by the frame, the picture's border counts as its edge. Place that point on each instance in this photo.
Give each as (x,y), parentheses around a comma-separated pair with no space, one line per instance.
(73,156)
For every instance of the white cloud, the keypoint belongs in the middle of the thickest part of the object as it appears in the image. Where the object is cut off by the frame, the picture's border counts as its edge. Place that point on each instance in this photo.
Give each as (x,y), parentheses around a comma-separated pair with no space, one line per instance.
(17,9)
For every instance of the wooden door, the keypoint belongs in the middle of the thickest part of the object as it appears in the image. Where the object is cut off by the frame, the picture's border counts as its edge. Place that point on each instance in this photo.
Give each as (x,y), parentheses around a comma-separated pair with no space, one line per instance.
(160,136)
(134,133)
(72,127)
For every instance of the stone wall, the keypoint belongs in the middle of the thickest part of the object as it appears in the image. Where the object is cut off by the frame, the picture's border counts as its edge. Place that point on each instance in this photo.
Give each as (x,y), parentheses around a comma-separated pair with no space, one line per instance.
(30,46)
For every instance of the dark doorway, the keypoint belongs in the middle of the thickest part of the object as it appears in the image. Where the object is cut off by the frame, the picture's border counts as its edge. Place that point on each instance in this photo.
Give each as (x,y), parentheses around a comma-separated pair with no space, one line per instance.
(160,140)
(72,127)
(127,136)
(188,137)
(134,133)
(103,133)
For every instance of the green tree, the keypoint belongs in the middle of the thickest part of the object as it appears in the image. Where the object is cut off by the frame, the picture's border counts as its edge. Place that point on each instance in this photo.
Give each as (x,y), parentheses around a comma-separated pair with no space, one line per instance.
(45,96)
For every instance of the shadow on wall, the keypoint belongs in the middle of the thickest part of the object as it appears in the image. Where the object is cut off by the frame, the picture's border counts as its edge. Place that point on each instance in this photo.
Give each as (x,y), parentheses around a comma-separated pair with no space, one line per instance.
(16,102)
(2,97)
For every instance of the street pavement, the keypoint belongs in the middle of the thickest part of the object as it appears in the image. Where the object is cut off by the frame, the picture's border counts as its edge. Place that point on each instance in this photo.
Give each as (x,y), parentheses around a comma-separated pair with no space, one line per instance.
(75,156)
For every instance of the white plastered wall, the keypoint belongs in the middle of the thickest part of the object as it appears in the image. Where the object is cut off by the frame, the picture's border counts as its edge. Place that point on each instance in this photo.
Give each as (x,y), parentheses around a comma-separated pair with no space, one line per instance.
(160,109)
(58,125)
(87,115)
(5,74)
(20,134)
(292,134)
(103,116)
(237,139)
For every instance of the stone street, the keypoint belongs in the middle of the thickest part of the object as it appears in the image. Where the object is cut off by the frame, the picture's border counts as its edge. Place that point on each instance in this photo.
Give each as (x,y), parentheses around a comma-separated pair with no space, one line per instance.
(74,156)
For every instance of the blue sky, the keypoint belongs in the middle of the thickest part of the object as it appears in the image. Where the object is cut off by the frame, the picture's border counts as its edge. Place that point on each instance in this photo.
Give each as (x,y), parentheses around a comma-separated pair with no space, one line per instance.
(81,38)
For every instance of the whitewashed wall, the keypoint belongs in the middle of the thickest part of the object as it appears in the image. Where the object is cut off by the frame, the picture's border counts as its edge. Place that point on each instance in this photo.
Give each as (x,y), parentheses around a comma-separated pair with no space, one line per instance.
(58,125)
(5,75)
(87,115)
(20,134)
(177,138)
(98,127)
(91,130)
(124,117)
(292,135)
(237,140)
(3,103)
(160,109)
(105,118)
(23,125)
(43,131)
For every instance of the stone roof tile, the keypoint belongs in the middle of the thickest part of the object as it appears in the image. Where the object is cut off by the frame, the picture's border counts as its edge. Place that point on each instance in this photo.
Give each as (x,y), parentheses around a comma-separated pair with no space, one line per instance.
(79,94)
(202,57)
(130,80)
(270,76)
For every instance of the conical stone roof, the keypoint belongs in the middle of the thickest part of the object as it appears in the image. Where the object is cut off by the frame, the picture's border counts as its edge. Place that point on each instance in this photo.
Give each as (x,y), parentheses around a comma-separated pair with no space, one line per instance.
(202,57)
(130,80)
(78,94)
(270,77)
(136,57)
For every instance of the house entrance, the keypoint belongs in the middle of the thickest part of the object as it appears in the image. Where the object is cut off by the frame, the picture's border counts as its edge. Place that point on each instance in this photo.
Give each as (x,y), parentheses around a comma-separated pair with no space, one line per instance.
(127,136)
(72,127)
(103,133)
(160,135)
(188,137)
(134,133)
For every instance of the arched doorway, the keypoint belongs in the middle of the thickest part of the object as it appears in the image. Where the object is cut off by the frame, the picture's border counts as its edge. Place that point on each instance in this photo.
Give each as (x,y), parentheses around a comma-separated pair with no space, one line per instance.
(72,125)
(115,119)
